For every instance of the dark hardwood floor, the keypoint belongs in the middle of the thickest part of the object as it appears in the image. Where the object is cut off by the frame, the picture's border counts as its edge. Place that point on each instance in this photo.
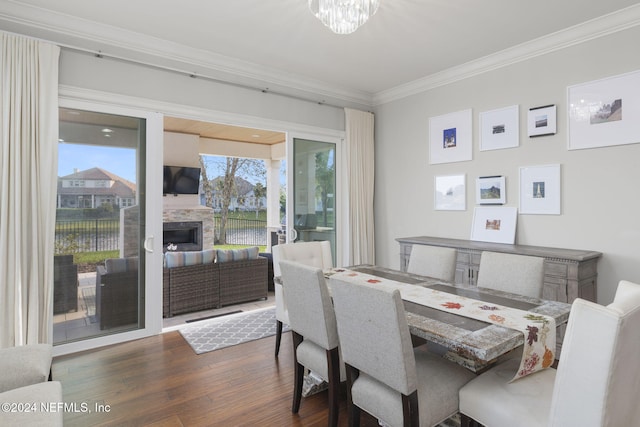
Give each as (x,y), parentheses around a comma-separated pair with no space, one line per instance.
(160,381)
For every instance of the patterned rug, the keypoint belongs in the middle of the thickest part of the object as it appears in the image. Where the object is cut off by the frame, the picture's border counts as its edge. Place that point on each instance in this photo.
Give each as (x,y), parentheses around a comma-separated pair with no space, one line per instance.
(235,329)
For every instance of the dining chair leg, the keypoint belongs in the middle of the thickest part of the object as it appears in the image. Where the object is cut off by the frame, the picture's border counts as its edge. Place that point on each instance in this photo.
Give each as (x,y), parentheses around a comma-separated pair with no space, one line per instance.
(278,336)
(410,409)
(352,410)
(298,375)
(466,421)
(333,361)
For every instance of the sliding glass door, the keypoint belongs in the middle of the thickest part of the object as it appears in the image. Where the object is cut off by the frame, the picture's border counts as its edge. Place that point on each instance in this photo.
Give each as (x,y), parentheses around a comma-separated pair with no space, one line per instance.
(312,214)
(100,261)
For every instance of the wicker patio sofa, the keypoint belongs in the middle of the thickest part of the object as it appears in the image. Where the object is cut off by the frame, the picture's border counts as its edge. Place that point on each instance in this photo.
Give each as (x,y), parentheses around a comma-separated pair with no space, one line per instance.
(190,288)
(244,280)
(203,284)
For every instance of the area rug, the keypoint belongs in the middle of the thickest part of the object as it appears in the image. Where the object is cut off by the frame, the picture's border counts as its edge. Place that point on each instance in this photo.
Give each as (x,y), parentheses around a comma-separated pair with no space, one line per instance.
(214,334)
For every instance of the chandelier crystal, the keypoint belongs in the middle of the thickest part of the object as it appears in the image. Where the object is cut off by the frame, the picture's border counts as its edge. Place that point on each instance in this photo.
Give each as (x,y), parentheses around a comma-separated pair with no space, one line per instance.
(343,16)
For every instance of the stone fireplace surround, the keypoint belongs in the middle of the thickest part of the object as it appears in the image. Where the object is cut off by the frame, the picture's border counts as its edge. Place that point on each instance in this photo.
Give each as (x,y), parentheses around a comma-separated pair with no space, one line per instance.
(188,215)
(129,221)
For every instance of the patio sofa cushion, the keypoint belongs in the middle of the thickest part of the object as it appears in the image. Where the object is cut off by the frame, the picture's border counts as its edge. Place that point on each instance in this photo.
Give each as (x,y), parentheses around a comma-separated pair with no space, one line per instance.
(237,254)
(121,265)
(183,259)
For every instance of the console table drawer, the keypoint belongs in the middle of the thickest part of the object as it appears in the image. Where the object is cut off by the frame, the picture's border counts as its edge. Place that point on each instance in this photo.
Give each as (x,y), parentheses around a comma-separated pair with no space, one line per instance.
(555,269)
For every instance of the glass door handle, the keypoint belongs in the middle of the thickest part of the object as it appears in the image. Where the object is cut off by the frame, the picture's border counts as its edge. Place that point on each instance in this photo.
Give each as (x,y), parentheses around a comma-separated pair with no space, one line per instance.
(147,247)
(293,235)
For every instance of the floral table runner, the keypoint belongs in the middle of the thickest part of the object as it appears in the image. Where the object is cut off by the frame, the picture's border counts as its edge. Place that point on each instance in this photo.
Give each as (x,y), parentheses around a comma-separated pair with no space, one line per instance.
(538,330)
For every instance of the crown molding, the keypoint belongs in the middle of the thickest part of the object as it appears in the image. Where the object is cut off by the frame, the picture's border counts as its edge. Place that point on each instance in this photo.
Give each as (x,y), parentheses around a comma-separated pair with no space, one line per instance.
(589,30)
(81,34)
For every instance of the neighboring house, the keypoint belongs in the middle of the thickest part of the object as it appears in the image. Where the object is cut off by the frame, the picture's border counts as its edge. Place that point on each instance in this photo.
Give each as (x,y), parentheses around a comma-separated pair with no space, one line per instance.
(243,199)
(93,188)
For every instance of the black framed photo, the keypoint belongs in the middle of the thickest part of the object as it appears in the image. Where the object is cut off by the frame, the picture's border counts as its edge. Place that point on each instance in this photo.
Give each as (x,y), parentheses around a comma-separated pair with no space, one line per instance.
(541,121)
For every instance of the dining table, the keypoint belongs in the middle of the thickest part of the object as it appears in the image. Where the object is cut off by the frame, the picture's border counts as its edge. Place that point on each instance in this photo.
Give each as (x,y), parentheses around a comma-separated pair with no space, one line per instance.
(472,343)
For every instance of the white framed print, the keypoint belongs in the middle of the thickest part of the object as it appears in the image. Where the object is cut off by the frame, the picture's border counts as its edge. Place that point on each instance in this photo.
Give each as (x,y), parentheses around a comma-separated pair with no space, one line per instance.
(491,190)
(450,137)
(450,193)
(604,112)
(500,128)
(541,121)
(540,190)
(494,224)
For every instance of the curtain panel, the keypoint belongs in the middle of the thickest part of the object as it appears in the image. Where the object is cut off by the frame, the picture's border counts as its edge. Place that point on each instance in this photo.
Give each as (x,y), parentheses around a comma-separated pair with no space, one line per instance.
(28,184)
(360,163)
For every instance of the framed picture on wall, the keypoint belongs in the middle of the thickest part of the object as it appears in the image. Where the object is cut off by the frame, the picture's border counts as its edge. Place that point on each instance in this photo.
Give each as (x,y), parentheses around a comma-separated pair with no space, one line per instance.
(491,190)
(450,193)
(540,190)
(500,128)
(450,138)
(541,121)
(494,224)
(605,112)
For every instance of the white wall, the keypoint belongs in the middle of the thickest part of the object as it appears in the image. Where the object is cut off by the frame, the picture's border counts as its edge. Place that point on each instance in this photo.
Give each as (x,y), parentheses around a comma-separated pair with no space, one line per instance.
(600,200)
(108,75)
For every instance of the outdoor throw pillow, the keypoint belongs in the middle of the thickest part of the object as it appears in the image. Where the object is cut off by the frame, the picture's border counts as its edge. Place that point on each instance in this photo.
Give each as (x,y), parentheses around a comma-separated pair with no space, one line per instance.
(223,255)
(183,259)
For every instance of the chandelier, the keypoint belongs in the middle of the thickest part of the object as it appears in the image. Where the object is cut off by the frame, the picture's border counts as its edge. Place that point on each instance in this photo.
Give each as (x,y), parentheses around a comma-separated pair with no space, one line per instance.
(343,16)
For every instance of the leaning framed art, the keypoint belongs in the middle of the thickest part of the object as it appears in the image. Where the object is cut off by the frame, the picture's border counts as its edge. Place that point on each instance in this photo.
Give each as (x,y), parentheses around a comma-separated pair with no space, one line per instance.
(450,138)
(604,112)
(494,224)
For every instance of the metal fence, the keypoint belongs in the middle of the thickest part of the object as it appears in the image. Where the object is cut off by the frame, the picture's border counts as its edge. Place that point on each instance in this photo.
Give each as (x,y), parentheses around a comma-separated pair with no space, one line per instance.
(104,234)
(248,232)
(90,235)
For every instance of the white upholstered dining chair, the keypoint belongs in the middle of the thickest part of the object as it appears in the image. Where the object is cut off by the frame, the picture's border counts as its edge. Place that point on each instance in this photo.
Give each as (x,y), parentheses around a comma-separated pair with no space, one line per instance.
(315,254)
(596,384)
(433,261)
(386,376)
(518,274)
(315,337)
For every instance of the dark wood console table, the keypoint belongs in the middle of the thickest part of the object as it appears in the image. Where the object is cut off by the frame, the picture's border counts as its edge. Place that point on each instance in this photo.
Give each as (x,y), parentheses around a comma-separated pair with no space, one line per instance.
(568,273)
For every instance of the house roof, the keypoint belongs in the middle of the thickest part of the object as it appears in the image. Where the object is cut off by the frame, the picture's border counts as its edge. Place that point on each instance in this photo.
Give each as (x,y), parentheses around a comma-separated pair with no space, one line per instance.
(120,187)
(99,174)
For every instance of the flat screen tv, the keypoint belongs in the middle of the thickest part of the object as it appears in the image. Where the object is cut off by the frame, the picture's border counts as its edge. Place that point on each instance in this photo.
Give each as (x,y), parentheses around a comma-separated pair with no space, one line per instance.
(181,180)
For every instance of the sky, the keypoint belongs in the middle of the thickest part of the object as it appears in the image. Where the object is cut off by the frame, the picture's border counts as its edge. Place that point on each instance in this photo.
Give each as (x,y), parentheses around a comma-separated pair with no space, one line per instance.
(119,161)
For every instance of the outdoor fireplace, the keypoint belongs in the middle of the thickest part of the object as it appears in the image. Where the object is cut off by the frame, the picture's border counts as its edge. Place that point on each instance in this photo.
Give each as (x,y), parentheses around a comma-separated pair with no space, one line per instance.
(182,236)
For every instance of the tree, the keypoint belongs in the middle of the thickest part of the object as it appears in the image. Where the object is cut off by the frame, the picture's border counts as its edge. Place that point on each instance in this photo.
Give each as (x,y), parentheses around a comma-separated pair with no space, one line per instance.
(259,191)
(207,188)
(225,185)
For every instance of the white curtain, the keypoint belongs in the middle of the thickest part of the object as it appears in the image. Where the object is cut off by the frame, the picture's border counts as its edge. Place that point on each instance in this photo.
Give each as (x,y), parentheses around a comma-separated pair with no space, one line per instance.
(28,182)
(360,166)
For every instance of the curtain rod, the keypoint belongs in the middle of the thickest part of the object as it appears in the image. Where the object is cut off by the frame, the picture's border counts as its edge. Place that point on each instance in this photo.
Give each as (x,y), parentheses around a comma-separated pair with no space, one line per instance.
(194,75)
